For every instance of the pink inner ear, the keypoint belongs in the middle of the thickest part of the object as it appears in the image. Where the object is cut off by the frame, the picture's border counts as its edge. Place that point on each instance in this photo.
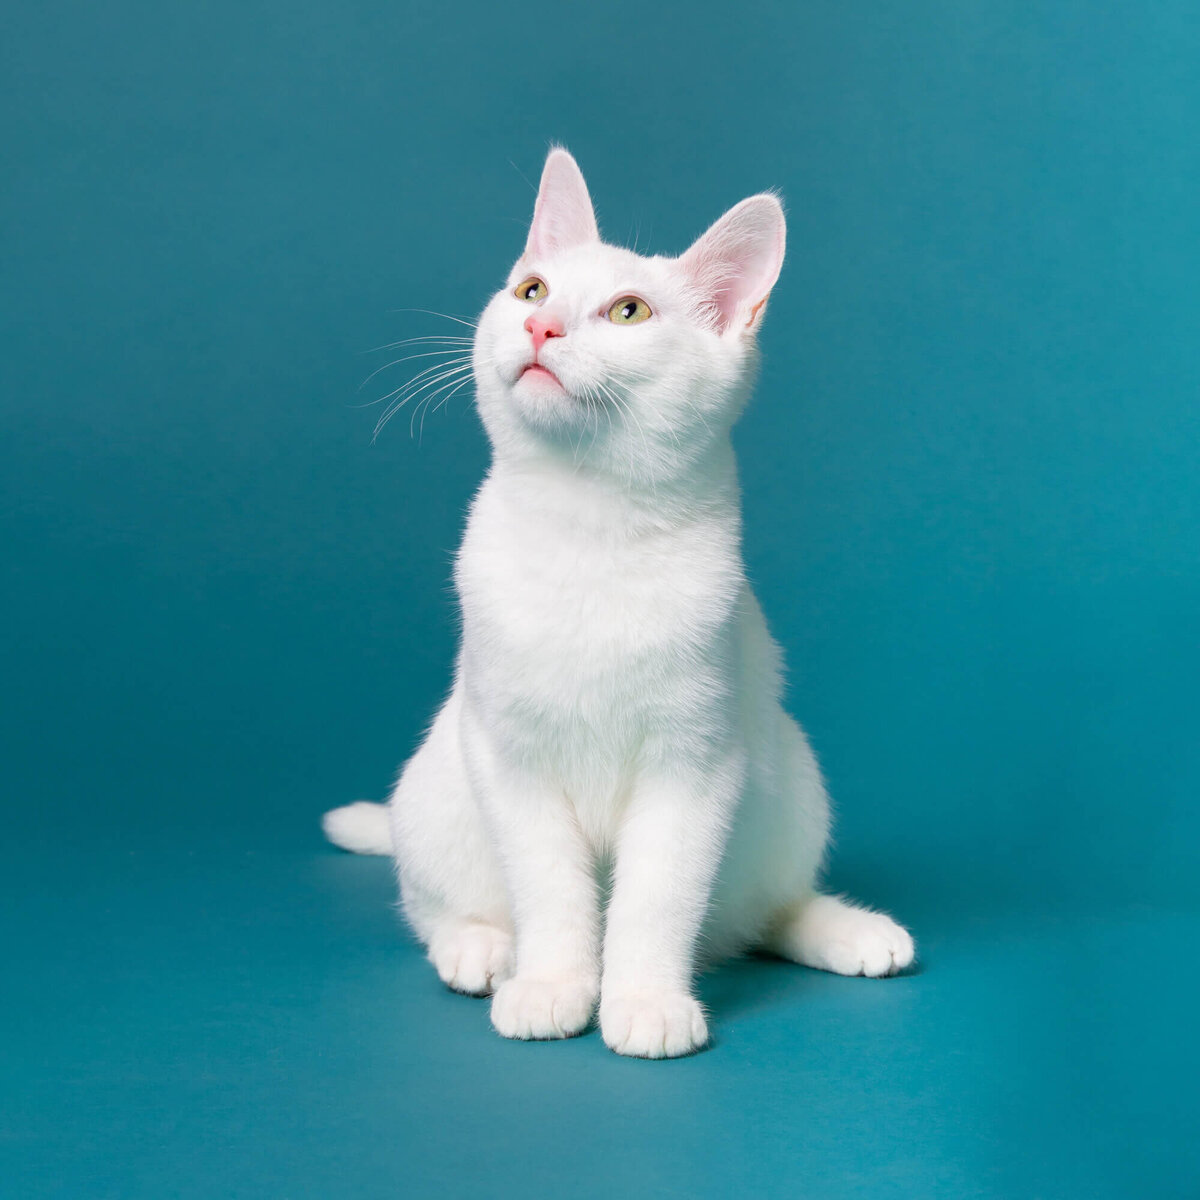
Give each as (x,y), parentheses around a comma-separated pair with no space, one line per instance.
(734,266)
(563,216)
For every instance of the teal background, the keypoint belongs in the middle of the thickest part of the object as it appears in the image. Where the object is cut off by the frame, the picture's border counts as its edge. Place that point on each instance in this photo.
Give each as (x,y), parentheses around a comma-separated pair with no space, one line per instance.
(971,496)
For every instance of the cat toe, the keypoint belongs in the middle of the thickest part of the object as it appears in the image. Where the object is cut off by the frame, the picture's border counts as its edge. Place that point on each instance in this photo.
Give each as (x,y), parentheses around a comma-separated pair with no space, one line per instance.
(472,959)
(540,1009)
(872,945)
(666,1025)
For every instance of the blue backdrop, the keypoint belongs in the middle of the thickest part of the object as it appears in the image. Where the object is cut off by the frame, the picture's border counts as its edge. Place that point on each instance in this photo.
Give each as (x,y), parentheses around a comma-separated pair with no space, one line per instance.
(972,501)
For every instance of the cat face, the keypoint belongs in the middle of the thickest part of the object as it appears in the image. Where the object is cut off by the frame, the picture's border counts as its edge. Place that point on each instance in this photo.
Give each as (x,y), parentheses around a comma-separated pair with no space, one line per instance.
(633,365)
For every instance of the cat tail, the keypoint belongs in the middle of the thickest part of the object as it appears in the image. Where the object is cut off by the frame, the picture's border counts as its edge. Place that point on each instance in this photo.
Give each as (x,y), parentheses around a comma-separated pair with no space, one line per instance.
(361,827)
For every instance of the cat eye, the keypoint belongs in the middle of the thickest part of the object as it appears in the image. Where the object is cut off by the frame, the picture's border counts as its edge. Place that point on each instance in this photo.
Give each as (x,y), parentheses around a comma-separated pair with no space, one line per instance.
(531,289)
(629,310)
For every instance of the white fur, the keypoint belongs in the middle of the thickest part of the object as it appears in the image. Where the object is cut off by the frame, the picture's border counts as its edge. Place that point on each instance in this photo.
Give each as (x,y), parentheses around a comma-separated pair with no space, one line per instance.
(615,719)
(361,827)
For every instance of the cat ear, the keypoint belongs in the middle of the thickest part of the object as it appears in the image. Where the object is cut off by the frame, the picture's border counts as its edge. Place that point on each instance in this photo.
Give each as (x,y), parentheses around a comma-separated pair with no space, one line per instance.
(562,216)
(733,267)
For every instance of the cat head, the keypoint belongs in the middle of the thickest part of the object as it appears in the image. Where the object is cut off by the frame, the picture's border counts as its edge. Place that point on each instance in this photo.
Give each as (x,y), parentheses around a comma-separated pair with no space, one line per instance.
(629,364)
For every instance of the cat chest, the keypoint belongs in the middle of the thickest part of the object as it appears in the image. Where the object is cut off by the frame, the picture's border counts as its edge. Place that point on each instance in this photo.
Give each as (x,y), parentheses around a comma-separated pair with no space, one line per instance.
(595,637)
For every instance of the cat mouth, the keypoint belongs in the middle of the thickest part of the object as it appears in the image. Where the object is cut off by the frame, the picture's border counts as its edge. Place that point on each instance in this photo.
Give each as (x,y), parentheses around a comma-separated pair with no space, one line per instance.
(540,374)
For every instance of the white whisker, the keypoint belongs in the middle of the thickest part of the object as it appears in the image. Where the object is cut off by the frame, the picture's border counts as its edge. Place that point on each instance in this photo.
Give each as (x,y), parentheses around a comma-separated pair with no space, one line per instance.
(416,387)
(450,395)
(430,313)
(397,361)
(423,407)
(433,337)
(627,409)
(460,361)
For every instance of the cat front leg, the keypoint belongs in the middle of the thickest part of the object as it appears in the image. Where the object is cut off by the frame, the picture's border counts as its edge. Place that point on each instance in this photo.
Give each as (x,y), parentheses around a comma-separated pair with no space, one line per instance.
(552,888)
(668,852)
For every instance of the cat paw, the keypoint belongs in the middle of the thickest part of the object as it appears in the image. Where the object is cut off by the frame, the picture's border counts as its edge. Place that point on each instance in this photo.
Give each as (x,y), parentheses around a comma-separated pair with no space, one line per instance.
(472,959)
(832,935)
(538,1009)
(653,1025)
(872,945)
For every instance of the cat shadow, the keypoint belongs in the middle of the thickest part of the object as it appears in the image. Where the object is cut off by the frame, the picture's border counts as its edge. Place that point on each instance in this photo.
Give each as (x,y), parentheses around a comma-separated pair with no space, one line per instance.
(758,982)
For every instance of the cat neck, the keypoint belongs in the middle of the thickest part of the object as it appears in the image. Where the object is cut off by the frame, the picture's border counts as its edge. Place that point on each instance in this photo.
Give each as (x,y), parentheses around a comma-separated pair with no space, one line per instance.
(553,488)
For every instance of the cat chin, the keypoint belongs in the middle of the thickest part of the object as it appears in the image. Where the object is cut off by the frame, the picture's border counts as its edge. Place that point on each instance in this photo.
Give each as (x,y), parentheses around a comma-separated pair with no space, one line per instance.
(546,406)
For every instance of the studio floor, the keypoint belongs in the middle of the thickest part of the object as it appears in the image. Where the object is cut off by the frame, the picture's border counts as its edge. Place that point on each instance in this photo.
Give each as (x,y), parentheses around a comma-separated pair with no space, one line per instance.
(251,1020)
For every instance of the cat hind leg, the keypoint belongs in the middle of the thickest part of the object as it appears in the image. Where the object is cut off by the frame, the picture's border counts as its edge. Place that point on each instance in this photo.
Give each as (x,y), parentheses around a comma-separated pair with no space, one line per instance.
(471,957)
(450,883)
(832,934)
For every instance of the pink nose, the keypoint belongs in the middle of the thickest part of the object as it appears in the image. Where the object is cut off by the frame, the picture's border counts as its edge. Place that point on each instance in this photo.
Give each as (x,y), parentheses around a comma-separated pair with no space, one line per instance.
(540,327)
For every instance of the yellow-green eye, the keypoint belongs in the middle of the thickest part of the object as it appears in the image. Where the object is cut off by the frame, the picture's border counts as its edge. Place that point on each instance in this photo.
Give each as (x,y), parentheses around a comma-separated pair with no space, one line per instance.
(629,310)
(531,289)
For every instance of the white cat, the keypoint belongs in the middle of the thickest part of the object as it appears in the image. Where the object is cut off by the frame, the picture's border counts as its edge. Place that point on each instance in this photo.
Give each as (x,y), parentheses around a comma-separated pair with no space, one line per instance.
(616,704)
